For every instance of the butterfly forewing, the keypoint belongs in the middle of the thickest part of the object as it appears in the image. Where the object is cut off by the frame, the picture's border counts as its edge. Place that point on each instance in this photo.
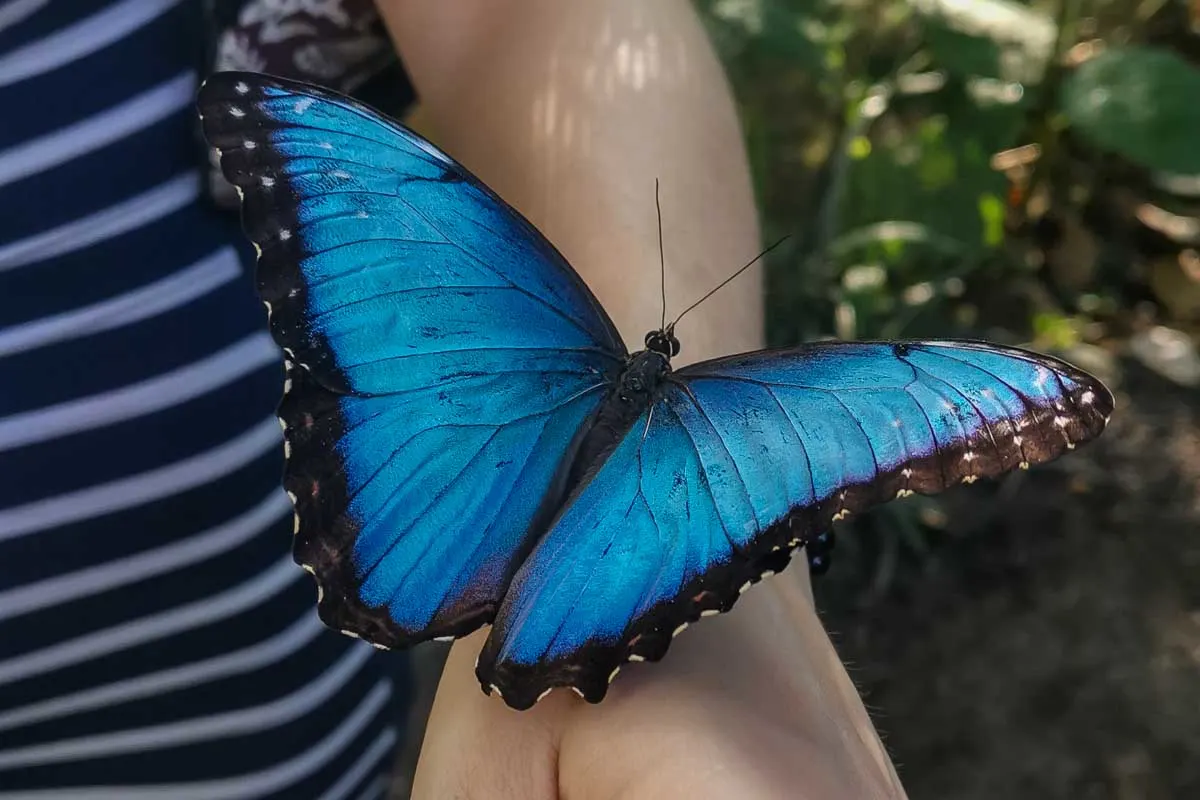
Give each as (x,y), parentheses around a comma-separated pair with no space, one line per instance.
(441,355)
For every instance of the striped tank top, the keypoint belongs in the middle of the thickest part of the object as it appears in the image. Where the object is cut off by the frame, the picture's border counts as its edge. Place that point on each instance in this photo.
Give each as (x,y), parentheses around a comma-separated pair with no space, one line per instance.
(156,639)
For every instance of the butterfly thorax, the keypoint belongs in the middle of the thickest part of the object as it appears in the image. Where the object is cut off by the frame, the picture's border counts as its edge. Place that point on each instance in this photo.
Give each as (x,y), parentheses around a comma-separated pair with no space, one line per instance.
(643,374)
(635,390)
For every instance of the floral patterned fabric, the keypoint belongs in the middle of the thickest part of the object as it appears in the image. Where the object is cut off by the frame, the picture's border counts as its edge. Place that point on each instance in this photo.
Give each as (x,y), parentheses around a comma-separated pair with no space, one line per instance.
(339,44)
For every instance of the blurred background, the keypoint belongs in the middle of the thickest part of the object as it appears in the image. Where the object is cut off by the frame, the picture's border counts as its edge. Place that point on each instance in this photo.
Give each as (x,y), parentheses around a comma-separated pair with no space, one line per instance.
(1028,173)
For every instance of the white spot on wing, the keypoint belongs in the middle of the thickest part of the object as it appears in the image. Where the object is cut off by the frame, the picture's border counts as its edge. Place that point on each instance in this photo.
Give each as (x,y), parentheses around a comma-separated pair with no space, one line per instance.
(767,573)
(612,676)
(709,612)
(267,181)
(234,111)
(241,88)
(296,530)
(545,692)
(292,497)
(577,691)
(683,626)
(350,633)
(284,234)
(308,568)
(636,657)
(341,174)
(303,105)
(742,589)
(1087,397)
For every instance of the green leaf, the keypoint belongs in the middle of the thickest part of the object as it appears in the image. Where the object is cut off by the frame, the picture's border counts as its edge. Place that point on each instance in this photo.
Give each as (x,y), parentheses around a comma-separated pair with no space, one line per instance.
(1054,331)
(992,213)
(1140,102)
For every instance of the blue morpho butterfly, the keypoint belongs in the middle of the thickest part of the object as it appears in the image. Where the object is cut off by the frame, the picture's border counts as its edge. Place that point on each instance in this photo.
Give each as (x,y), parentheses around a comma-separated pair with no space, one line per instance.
(469,441)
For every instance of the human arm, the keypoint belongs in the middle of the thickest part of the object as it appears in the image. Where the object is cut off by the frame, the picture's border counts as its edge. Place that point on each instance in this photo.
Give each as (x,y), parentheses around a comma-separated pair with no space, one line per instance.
(570,111)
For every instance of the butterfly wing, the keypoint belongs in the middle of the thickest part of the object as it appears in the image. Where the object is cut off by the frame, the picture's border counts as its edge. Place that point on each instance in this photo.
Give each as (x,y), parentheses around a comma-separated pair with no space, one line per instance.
(441,355)
(743,459)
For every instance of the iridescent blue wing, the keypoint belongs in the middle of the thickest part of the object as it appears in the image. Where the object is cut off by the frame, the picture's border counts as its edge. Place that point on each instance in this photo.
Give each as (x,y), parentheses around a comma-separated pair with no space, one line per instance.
(741,460)
(441,355)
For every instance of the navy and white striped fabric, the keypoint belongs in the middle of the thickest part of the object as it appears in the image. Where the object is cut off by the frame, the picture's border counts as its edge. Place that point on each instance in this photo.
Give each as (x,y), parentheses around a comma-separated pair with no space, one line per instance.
(156,639)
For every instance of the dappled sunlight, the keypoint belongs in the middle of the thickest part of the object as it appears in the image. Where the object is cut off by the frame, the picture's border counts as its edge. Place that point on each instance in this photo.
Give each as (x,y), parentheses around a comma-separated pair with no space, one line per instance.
(616,60)
(588,102)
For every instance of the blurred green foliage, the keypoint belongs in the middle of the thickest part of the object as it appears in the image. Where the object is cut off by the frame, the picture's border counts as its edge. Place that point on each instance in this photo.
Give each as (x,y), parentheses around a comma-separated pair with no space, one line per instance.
(878,131)
(1140,102)
(1022,172)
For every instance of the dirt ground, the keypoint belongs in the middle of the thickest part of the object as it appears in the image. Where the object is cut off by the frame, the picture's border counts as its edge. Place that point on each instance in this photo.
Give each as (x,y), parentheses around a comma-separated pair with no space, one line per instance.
(1053,651)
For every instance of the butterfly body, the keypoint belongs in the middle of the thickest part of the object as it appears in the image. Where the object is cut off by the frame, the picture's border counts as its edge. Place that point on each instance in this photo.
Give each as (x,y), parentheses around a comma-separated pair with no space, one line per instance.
(468,441)
(634,391)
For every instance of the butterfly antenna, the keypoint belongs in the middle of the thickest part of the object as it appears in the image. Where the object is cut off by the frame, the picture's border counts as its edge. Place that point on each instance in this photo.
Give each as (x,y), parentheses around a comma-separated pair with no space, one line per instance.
(662,261)
(723,283)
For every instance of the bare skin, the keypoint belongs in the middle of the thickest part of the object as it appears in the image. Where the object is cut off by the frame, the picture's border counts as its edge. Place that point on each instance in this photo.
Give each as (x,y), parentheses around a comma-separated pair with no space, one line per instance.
(570,110)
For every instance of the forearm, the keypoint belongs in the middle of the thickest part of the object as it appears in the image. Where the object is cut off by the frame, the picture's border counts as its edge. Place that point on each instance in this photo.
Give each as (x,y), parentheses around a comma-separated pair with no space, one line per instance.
(570,110)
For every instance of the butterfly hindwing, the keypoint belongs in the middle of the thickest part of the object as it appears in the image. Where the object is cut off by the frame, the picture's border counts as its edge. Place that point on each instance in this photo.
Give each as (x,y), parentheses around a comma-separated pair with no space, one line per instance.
(442,356)
(742,459)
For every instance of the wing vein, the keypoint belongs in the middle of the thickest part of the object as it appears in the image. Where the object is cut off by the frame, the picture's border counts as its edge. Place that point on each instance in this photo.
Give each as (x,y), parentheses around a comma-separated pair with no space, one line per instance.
(741,479)
(700,464)
(987,426)
(812,481)
(533,242)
